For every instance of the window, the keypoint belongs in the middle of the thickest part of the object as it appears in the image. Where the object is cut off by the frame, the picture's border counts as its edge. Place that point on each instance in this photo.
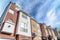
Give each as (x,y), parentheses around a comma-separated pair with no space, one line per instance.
(11,11)
(9,26)
(18,7)
(24,27)
(10,20)
(24,16)
(34,25)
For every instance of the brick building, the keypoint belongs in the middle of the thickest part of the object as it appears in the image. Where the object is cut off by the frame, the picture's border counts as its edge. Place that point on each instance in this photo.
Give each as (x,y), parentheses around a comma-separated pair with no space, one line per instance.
(16,24)
(36,32)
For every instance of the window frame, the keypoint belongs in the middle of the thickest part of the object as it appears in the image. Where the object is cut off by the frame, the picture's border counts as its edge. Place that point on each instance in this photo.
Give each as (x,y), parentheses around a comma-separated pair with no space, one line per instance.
(24,28)
(11,11)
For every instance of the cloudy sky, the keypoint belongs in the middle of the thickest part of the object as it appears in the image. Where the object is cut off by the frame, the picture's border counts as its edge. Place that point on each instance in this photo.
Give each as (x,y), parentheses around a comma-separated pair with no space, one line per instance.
(43,11)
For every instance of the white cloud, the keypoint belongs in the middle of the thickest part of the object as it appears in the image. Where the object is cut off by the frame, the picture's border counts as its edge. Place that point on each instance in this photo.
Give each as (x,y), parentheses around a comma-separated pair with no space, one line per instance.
(50,18)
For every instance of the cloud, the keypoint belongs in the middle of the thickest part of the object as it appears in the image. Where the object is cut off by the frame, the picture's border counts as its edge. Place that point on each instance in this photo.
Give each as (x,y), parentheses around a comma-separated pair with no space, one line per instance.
(40,10)
(51,19)
(3,5)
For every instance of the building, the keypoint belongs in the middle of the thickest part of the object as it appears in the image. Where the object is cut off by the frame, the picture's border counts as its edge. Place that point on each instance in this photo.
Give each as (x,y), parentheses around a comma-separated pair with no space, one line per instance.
(57,33)
(44,31)
(51,34)
(7,30)
(16,24)
(47,32)
(23,31)
(3,15)
(36,32)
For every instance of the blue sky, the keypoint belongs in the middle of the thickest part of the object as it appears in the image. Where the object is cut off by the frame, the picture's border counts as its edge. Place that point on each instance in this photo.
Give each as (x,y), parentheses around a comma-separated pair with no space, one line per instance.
(44,11)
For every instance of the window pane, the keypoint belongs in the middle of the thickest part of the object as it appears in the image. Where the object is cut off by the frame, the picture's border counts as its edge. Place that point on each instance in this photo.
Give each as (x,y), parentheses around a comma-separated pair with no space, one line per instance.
(23,29)
(26,25)
(10,21)
(34,32)
(26,30)
(11,11)
(18,7)
(22,25)
(24,16)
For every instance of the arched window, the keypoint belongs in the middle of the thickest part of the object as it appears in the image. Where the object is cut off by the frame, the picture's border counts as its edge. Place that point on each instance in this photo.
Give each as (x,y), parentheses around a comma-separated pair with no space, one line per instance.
(10,20)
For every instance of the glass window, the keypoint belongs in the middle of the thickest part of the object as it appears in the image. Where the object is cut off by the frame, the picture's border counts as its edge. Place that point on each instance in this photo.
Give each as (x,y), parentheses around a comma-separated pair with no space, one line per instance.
(10,21)
(11,11)
(9,26)
(24,16)
(24,27)
(34,25)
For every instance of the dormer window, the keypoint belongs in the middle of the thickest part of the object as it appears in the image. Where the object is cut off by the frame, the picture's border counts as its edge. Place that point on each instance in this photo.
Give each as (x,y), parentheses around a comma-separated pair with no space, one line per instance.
(8,27)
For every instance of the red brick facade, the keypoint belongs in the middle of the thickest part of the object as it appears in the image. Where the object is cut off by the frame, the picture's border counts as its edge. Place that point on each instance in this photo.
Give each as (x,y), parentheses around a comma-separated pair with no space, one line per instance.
(10,16)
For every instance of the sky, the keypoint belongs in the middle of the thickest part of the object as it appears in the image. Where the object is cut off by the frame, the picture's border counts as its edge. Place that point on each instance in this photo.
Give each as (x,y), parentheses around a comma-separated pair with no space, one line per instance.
(43,11)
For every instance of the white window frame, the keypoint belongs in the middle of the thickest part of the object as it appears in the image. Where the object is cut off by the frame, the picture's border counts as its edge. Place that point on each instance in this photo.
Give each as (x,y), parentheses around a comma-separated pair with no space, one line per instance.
(11,11)
(23,26)
(24,16)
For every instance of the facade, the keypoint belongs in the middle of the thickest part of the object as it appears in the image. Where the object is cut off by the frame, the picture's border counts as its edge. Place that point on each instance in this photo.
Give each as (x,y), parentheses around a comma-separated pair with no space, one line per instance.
(36,32)
(47,32)
(23,31)
(9,23)
(44,31)
(16,24)
(57,33)
(51,34)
